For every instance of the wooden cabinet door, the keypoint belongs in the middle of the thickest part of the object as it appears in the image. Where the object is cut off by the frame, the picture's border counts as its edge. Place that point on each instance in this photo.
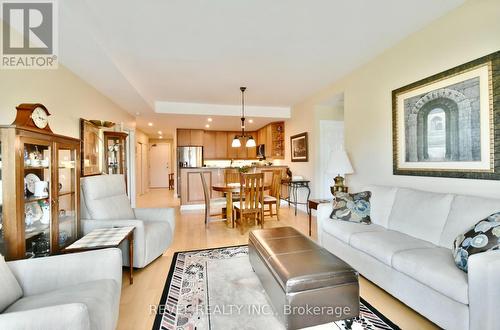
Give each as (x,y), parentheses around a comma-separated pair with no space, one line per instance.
(197,137)
(221,145)
(183,137)
(232,153)
(261,139)
(209,145)
(269,141)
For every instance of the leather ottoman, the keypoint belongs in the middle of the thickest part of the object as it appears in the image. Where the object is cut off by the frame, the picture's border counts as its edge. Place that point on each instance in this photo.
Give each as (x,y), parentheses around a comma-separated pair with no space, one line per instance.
(306,284)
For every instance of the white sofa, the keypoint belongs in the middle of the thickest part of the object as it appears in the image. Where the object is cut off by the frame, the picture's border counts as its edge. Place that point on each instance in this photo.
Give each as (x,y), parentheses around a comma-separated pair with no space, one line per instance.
(104,203)
(407,252)
(78,291)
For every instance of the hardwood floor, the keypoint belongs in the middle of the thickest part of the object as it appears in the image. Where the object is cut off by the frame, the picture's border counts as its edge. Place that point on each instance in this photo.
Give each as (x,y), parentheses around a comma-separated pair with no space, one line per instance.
(191,234)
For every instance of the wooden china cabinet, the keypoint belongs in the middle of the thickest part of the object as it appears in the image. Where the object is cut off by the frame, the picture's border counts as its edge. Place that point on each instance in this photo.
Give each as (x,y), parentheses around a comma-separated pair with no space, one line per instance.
(115,152)
(40,186)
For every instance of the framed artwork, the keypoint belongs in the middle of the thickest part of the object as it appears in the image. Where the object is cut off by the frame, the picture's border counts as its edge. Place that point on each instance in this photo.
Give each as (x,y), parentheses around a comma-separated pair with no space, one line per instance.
(448,125)
(299,148)
(92,147)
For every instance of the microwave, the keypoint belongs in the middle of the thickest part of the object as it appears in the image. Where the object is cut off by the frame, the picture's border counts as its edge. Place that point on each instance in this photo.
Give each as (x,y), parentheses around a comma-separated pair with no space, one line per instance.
(261,151)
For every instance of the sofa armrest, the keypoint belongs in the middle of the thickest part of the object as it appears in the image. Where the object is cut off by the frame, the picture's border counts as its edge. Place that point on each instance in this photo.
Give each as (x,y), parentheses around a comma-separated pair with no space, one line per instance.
(484,290)
(60,317)
(51,273)
(322,215)
(156,214)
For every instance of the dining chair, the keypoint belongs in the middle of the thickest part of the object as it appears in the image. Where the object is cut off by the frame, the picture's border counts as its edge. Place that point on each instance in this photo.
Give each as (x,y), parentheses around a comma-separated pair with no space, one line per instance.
(211,202)
(232,175)
(274,195)
(251,203)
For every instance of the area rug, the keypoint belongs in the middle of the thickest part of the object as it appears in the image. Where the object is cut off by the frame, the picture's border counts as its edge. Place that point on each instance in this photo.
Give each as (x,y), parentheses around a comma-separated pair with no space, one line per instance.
(216,289)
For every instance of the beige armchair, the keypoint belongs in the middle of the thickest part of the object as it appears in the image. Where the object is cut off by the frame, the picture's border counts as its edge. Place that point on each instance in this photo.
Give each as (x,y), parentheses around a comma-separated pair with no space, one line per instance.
(104,203)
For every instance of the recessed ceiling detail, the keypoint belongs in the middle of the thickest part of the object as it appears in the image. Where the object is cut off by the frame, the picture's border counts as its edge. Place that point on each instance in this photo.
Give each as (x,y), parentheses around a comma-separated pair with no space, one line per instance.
(220,110)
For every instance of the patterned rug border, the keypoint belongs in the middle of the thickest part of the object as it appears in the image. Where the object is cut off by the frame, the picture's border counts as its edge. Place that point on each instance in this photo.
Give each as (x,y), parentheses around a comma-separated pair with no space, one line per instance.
(168,281)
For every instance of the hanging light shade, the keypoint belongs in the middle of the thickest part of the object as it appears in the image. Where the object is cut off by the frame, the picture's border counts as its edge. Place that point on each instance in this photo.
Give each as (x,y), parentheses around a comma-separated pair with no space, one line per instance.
(236,142)
(251,142)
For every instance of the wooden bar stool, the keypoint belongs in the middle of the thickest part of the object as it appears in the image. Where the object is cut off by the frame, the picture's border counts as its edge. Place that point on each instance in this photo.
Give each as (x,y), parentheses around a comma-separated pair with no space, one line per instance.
(171,181)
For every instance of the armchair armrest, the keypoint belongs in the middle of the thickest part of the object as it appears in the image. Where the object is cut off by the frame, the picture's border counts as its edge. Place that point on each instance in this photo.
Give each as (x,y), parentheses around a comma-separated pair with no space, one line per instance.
(322,215)
(60,317)
(157,214)
(484,290)
(51,273)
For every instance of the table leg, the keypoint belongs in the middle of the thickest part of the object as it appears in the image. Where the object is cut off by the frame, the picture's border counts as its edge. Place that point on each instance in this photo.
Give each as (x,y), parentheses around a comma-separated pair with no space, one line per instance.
(131,256)
(229,208)
(307,203)
(295,198)
(310,217)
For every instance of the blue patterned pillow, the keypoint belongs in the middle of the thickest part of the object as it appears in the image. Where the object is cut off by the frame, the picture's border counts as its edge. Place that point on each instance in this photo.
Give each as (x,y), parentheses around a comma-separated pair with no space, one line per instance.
(352,207)
(484,236)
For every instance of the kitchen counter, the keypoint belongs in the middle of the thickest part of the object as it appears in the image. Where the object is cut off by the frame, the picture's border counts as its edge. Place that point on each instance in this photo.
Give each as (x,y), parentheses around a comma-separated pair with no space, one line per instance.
(191,189)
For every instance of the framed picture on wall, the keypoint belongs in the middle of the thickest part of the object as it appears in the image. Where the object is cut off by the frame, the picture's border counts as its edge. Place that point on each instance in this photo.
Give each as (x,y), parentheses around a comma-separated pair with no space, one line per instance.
(448,125)
(299,148)
(92,147)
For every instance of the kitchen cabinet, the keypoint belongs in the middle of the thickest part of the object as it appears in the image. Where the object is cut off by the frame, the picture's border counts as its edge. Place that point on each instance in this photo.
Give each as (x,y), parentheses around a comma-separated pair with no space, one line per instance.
(209,145)
(183,137)
(221,145)
(190,137)
(273,137)
(196,137)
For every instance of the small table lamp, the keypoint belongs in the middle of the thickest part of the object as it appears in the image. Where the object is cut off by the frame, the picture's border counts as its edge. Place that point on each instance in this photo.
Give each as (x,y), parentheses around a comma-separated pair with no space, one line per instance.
(339,165)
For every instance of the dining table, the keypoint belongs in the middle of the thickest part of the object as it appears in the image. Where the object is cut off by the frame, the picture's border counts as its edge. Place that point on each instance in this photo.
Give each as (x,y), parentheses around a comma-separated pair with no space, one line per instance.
(229,189)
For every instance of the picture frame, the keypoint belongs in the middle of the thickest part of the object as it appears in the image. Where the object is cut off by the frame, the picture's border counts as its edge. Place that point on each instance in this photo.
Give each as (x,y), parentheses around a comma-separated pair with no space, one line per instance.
(91,149)
(448,125)
(299,148)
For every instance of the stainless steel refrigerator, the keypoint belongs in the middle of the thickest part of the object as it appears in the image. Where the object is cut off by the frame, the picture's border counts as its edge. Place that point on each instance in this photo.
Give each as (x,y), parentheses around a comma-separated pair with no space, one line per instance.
(188,157)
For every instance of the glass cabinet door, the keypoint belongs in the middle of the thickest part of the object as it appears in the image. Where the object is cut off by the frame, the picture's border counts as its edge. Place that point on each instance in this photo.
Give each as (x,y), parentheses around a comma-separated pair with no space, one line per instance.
(37,196)
(66,211)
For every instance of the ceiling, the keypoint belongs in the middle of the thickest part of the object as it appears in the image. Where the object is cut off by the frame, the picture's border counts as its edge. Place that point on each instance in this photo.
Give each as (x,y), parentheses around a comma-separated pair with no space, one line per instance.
(201,51)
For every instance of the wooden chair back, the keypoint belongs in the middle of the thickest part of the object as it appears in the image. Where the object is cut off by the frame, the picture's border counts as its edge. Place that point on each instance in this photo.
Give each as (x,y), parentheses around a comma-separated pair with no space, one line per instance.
(231,176)
(206,194)
(276,185)
(252,192)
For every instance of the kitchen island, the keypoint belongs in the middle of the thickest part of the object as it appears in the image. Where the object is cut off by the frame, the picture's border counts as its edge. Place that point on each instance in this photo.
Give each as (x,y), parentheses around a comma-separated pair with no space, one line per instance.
(191,189)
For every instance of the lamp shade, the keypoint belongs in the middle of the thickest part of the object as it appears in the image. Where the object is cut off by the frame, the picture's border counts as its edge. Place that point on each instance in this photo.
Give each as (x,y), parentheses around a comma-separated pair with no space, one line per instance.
(251,142)
(236,142)
(339,163)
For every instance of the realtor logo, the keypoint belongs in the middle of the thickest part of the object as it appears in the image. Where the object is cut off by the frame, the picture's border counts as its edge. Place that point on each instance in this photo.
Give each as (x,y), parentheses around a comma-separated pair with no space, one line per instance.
(29,36)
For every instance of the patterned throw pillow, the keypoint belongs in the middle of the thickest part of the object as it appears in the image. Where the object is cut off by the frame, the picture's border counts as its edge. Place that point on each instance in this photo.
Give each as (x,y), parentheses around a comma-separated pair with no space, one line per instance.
(484,236)
(352,207)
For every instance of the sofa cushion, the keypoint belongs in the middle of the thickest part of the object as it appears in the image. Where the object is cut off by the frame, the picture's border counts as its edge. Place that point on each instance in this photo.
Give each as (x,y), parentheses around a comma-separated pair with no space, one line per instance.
(381,203)
(352,207)
(484,236)
(436,269)
(105,197)
(343,230)
(10,290)
(465,212)
(383,245)
(420,214)
(99,296)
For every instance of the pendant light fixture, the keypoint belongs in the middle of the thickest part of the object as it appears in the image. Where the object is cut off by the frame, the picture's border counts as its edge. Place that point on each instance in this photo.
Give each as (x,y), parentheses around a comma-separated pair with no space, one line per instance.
(237,139)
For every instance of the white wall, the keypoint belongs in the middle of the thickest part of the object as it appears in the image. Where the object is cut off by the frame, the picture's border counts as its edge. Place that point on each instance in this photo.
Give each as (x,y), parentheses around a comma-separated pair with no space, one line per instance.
(467,33)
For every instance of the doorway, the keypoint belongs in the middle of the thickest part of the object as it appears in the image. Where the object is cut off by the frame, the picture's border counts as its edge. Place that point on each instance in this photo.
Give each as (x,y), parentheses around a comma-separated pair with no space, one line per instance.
(160,157)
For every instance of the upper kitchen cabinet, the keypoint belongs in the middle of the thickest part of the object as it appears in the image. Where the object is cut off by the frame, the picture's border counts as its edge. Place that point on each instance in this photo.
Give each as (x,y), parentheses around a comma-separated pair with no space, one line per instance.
(221,145)
(209,145)
(189,137)
(273,137)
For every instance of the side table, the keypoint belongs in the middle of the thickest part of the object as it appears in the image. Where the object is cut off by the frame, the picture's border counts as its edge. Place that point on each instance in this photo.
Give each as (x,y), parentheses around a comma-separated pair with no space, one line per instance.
(103,238)
(313,205)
